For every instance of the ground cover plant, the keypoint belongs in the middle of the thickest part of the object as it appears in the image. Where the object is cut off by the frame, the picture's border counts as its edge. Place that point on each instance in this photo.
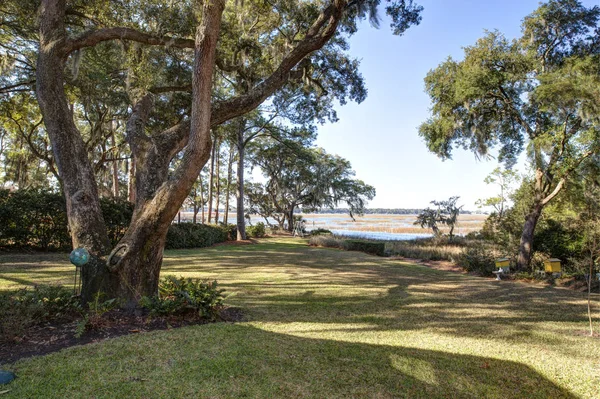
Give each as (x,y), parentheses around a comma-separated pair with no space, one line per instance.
(327,323)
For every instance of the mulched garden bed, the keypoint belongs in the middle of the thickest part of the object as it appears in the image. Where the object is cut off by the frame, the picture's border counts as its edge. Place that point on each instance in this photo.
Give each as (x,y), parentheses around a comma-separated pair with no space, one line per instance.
(52,337)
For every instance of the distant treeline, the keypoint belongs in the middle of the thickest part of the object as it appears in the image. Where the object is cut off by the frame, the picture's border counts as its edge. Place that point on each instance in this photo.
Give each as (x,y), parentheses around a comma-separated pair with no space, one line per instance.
(382,211)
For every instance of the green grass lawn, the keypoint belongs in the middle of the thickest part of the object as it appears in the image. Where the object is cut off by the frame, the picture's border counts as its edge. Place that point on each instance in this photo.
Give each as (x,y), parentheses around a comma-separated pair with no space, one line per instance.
(324,323)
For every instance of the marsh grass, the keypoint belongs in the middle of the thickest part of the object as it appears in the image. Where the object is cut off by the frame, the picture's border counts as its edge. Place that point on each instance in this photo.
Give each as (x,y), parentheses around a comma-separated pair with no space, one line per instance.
(398,224)
(323,323)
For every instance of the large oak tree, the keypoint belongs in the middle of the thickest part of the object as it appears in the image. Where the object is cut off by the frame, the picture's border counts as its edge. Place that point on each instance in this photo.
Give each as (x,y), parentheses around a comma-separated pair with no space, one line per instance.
(541,92)
(169,49)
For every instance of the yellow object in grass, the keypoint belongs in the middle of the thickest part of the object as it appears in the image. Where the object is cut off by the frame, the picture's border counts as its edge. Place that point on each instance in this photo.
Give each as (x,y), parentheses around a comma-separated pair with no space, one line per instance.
(502,263)
(552,265)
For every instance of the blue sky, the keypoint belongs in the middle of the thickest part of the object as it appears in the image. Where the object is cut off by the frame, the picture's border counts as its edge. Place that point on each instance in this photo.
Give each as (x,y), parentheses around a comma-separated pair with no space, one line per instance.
(379,136)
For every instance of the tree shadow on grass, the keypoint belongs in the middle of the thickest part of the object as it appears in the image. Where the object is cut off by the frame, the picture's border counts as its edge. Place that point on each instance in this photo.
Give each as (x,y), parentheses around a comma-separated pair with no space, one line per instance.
(243,361)
(323,286)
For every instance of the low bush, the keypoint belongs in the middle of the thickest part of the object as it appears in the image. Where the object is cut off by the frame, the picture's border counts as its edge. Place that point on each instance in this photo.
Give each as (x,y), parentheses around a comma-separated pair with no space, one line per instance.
(256,231)
(190,235)
(24,308)
(35,219)
(230,230)
(326,241)
(320,231)
(478,259)
(369,247)
(181,296)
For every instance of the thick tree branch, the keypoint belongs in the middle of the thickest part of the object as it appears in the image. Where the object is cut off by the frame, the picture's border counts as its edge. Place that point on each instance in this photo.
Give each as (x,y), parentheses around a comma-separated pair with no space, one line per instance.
(169,89)
(564,177)
(93,37)
(16,86)
(318,34)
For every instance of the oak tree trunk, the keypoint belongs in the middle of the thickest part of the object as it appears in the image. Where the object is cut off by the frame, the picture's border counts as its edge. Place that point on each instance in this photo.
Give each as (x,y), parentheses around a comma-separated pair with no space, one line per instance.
(86,223)
(526,244)
(115,164)
(201,201)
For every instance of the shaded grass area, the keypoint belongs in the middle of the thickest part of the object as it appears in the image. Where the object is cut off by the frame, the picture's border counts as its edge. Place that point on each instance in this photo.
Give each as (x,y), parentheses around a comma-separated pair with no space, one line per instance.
(330,323)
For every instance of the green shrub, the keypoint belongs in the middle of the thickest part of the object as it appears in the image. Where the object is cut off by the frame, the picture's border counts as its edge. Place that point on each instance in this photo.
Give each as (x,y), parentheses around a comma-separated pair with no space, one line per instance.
(25,307)
(181,296)
(33,219)
(560,240)
(189,235)
(326,241)
(230,230)
(320,231)
(36,219)
(117,216)
(478,259)
(369,247)
(256,231)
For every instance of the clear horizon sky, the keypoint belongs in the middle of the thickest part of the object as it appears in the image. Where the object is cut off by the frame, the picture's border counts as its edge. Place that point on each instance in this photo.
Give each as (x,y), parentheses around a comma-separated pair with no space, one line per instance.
(380,136)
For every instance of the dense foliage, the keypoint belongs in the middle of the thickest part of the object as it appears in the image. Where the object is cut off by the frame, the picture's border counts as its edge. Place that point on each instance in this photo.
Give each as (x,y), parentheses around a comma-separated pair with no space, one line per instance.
(36,219)
(189,235)
(256,231)
(369,247)
(181,296)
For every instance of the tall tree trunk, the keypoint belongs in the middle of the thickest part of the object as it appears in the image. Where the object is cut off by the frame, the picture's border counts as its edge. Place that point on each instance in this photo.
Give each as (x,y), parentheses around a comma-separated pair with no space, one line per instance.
(131,180)
(218,182)
(211,180)
(195,207)
(115,163)
(228,187)
(201,201)
(86,222)
(290,217)
(526,244)
(544,192)
(241,148)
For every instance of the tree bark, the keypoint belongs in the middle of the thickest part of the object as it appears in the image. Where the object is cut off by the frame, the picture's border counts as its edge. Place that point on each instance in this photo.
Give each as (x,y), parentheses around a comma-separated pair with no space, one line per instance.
(290,217)
(526,244)
(115,164)
(211,180)
(201,201)
(241,221)
(228,187)
(86,222)
(218,180)
(131,181)
(195,207)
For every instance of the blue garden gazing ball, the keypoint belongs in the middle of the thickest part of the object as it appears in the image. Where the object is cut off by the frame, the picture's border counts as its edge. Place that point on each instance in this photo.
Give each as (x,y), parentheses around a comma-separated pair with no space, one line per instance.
(6,377)
(79,257)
